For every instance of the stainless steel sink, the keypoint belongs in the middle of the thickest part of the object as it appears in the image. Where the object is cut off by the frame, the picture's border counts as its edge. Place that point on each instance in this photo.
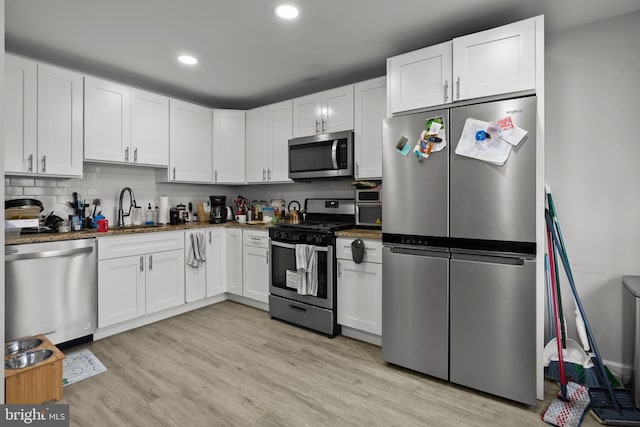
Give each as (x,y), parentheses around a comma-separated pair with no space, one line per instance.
(20,345)
(28,358)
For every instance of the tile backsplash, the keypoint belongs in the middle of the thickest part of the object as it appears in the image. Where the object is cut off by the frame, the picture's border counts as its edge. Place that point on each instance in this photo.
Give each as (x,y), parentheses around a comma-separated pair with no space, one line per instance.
(105,181)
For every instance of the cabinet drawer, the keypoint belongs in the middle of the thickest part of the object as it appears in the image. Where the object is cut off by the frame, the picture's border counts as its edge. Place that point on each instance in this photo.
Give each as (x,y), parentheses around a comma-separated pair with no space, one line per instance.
(145,243)
(259,239)
(372,249)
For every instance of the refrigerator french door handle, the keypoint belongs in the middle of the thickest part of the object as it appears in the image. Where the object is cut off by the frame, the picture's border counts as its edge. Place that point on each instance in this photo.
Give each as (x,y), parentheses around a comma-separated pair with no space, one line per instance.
(419,252)
(493,258)
(334,153)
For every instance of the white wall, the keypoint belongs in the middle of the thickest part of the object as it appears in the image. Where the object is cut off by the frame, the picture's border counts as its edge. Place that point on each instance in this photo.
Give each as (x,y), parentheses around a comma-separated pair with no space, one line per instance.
(593,167)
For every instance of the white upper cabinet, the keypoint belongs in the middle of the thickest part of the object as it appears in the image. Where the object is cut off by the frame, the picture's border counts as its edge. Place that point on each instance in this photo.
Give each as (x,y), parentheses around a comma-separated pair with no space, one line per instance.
(323,112)
(107,115)
(190,145)
(59,121)
(500,60)
(370,109)
(228,146)
(43,119)
(492,62)
(420,78)
(269,129)
(125,125)
(149,128)
(21,115)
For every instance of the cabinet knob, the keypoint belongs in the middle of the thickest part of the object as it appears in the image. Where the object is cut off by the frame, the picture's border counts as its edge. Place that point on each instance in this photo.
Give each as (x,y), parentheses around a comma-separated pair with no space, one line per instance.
(458,88)
(141,263)
(44,164)
(446,90)
(268,174)
(150,262)
(324,126)
(126,154)
(30,168)
(135,155)
(174,173)
(264,175)
(317,126)
(209,236)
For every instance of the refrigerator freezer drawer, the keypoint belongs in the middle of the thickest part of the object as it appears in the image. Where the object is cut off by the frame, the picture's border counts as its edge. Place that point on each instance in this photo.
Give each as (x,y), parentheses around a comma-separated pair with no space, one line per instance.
(492,331)
(415,311)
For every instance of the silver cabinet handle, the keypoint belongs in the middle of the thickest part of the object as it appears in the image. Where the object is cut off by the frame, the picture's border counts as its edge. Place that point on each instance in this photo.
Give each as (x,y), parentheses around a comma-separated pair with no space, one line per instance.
(317,126)
(267,257)
(135,156)
(209,236)
(150,262)
(458,88)
(357,169)
(215,175)
(30,168)
(174,173)
(324,126)
(446,90)
(268,174)
(44,163)
(126,154)
(141,263)
(264,175)
(339,269)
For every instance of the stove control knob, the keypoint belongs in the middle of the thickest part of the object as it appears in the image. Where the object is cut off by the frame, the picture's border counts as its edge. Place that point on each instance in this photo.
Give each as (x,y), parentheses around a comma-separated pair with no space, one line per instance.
(284,235)
(276,234)
(309,238)
(295,237)
(318,239)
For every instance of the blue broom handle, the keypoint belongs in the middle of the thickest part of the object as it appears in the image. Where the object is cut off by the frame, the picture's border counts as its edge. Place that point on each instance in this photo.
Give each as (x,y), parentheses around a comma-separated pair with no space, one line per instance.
(594,347)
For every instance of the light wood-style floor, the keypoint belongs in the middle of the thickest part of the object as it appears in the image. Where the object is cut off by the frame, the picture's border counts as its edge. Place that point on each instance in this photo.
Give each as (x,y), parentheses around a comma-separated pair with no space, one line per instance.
(231,365)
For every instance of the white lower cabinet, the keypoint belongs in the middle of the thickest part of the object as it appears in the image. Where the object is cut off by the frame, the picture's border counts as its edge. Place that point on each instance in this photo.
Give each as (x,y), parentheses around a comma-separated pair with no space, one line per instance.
(139,275)
(234,261)
(255,265)
(208,279)
(359,300)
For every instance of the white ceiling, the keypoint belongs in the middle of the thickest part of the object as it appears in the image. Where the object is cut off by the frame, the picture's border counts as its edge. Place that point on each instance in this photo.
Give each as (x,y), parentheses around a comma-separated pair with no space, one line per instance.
(247,56)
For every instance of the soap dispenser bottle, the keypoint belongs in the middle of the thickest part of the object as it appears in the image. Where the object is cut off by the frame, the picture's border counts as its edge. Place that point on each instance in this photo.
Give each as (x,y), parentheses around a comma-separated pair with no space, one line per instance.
(149,216)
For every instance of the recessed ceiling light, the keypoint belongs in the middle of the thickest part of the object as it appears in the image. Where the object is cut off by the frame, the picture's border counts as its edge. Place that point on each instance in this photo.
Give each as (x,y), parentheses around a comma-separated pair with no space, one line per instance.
(286,11)
(188,59)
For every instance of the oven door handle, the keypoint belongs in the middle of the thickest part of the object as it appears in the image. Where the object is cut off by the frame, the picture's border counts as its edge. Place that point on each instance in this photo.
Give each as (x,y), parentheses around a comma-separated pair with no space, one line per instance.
(293,246)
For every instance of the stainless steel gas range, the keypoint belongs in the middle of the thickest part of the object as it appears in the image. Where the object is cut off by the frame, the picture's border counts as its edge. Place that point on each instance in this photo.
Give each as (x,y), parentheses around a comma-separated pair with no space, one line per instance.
(302,284)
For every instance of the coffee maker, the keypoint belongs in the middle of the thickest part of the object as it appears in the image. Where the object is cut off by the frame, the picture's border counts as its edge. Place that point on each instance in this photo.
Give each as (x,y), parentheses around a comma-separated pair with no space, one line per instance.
(218,213)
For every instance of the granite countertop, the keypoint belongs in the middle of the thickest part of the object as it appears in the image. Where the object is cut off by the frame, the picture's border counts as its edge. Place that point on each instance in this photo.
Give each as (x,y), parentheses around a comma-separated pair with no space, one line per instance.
(119,231)
(360,233)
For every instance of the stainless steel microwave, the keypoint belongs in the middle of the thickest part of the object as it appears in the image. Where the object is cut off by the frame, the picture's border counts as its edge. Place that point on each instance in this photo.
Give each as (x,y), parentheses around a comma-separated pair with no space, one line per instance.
(369,208)
(321,156)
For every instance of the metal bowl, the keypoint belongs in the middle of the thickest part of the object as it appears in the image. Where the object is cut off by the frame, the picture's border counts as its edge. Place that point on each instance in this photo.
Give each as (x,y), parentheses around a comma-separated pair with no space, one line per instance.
(20,345)
(28,358)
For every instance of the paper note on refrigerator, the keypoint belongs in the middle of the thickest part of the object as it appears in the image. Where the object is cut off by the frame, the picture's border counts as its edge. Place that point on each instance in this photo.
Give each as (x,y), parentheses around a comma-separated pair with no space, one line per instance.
(476,142)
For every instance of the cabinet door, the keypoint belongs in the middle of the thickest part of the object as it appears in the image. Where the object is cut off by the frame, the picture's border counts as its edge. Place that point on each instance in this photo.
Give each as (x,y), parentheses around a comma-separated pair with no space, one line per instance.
(280,132)
(360,296)
(234,261)
(121,289)
(307,114)
(195,278)
(190,142)
(165,280)
(149,128)
(370,109)
(228,146)
(257,145)
(59,121)
(21,114)
(421,78)
(255,275)
(495,61)
(216,264)
(337,109)
(107,121)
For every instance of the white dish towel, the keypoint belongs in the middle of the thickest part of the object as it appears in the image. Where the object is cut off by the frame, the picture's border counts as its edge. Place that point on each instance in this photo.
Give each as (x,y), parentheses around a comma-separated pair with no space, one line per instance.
(306,264)
(196,251)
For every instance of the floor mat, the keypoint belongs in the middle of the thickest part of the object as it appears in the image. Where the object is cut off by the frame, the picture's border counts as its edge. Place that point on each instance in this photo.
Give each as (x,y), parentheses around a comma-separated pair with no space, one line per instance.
(80,365)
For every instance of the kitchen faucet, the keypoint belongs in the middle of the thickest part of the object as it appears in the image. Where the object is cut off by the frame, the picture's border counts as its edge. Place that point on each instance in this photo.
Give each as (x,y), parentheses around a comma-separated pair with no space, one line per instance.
(132,204)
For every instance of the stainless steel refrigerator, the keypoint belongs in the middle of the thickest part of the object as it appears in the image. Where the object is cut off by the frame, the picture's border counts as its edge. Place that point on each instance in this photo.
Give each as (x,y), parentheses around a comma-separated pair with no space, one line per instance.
(459,254)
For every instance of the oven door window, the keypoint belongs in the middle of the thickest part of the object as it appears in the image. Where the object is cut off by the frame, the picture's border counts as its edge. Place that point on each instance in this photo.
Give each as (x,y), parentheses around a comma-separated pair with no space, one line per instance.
(283,263)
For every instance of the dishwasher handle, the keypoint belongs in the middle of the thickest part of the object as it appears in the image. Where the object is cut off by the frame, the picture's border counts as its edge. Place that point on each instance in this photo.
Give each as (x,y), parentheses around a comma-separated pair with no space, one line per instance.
(47,254)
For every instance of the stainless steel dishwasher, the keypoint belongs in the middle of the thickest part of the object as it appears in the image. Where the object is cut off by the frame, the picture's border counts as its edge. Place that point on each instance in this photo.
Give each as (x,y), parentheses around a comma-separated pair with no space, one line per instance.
(51,288)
